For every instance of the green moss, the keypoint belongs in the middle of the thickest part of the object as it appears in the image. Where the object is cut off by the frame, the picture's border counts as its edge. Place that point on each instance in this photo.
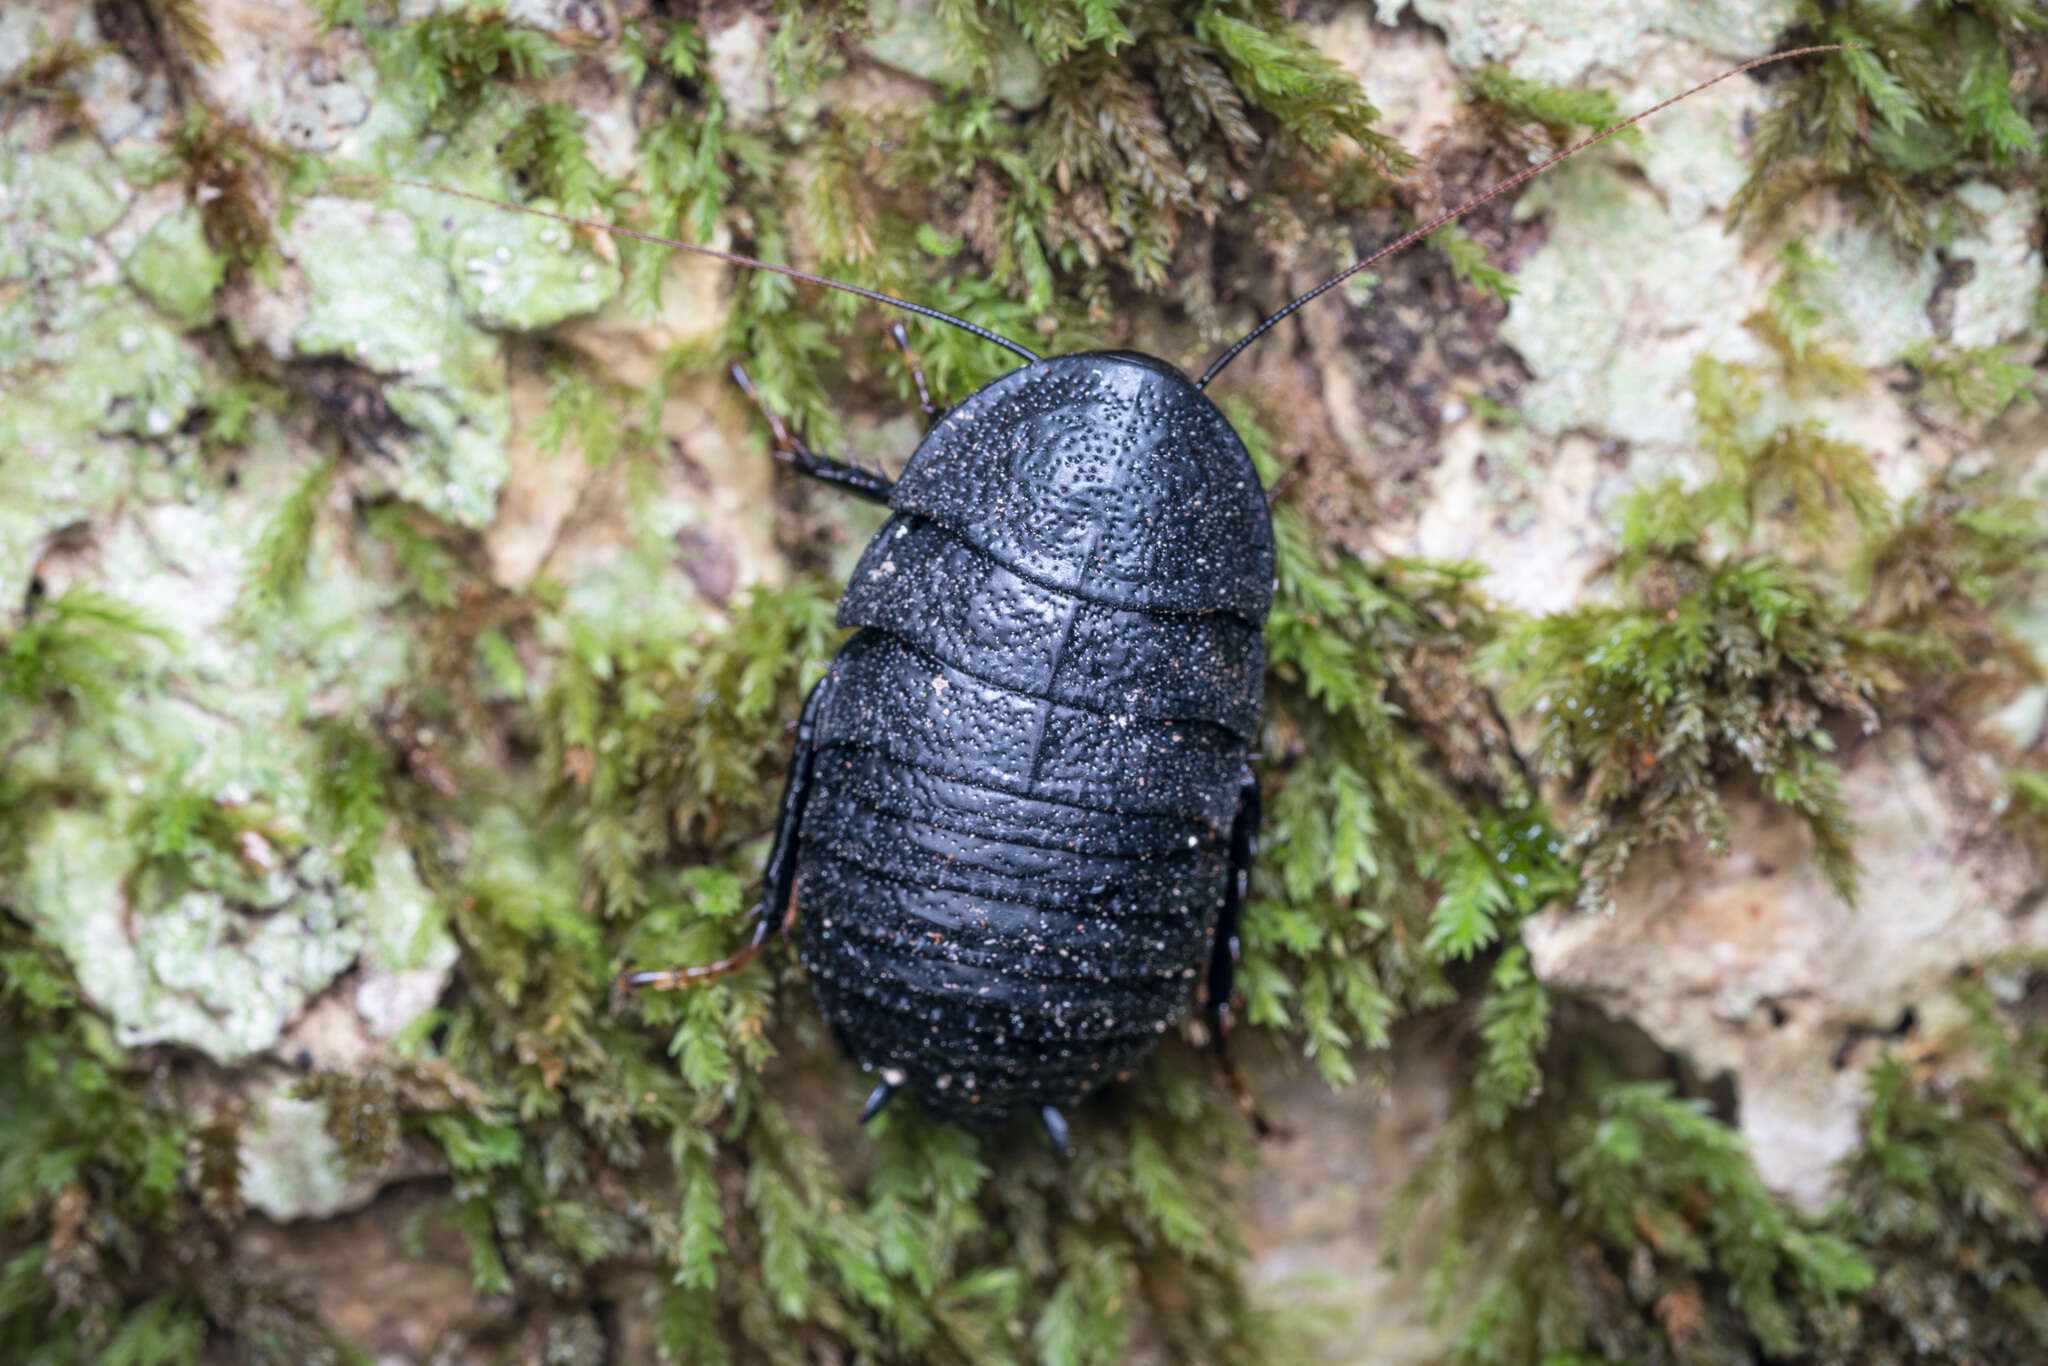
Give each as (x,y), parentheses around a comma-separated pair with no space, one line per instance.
(223,165)
(1721,658)
(47,77)
(113,1241)
(1976,381)
(547,151)
(1932,1251)
(1560,112)
(1793,317)
(351,793)
(1924,101)
(1941,1194)
(1470,262)
(277,565)
(74,650)
(184,23)
(1617,1221)
(1949,572)
(448,61)
(1400,840)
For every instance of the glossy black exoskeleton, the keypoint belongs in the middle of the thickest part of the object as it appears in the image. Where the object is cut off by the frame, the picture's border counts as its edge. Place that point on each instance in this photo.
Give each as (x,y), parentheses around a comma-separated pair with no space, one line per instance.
(1017,788)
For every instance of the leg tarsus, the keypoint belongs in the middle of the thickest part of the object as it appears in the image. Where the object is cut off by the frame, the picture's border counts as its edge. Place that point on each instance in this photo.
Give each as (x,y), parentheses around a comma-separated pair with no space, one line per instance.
(1233,1079)
(1056,1128)
(872,485)
(674,979)
(901,336)
(775,910)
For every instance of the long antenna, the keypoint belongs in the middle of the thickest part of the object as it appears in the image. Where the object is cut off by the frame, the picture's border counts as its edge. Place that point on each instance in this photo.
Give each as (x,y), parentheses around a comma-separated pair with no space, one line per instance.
(1539,168)
(733,258)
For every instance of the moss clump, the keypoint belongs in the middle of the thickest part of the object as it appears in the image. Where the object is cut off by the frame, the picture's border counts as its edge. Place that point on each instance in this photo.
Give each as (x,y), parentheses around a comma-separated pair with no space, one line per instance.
(47,78)
(1154,120)
(449,60)
(1720,658)
(1515,103)
(67,661)
(1676,1252)
(223,165)
(115,1206)
(1400,840)
(548,153)
(1616,1220)
(1949,571)
(1926,100)
(1944,1194)
(183,25)
(1976,381)
(277,566)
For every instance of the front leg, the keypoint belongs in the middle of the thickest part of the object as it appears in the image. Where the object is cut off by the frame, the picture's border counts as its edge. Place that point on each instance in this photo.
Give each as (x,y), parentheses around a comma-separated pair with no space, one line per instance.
(773,913)
(901,336)
(872,485)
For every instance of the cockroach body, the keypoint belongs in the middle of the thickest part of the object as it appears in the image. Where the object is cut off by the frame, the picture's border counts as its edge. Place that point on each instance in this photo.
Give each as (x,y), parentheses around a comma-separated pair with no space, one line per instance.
(1021,808)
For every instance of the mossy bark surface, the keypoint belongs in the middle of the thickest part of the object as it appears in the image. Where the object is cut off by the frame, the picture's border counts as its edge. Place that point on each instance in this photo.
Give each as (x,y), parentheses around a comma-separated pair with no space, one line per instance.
(401,616)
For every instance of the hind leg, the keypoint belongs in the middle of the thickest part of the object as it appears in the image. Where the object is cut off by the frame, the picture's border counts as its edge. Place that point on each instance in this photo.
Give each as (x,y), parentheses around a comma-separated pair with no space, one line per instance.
(776,908)
(871,485)
(1223,955)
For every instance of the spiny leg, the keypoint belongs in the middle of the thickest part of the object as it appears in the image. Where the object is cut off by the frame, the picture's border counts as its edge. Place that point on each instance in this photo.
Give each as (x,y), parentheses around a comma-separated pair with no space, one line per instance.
(773,912)
(1223,954)
(901,336)
(873,485)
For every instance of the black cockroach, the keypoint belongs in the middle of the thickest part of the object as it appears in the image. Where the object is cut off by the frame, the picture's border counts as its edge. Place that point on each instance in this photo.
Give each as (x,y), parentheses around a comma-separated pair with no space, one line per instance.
(1021,814)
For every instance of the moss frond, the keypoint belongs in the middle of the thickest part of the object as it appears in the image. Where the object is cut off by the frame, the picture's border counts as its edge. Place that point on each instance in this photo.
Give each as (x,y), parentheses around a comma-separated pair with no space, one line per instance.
(1401,841)
(1977,381)
(547,151)
(1279,71)
(1561,112)
(449,59)
(78,649)
(1677,1249)
(1923,101)
(97,1163)
(277,568)
(186,24)
(1471,264)
(47,77)
(1704,672)
(223,164)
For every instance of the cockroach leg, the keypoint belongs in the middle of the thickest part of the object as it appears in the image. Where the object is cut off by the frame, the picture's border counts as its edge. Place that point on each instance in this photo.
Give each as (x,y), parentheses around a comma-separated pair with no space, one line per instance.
(1223,954)
(1056,1129)
(775,910)
(878,1098)
(901,336)
(871,485)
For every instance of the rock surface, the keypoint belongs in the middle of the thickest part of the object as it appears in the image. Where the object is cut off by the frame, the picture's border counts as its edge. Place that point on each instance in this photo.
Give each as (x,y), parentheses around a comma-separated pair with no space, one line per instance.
(1750,964)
